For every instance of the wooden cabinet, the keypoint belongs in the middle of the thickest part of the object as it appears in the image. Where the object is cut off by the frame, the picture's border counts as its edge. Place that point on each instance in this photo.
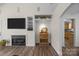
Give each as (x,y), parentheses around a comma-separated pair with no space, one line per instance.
(69,32)
(69,39)
(66,25)
(43,36)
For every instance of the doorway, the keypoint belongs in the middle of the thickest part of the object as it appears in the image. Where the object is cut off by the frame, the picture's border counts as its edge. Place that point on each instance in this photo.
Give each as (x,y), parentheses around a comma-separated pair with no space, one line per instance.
(42,31)
(69,28)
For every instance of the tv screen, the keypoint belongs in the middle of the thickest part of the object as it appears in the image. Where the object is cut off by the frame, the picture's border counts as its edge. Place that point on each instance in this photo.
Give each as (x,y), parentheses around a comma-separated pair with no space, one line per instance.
(16,23)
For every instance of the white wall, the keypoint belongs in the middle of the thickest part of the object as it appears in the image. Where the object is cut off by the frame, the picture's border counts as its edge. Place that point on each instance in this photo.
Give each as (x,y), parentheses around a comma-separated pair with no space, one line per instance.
(76,31)
(20,11)
(56,28)
(76,39)
(0,25)
(6,33)
(73,13)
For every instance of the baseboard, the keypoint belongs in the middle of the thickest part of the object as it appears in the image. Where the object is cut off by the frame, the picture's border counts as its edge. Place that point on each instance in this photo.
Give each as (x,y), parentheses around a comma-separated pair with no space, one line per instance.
(30,45)
(56,52)
(39,43)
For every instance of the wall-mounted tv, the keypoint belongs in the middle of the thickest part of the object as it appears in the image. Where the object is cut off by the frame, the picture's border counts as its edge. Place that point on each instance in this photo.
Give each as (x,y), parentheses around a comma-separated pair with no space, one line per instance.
(16,23)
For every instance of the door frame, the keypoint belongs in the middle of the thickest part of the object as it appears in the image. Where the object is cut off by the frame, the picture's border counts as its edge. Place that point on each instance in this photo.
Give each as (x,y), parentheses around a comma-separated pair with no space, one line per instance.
(64,32)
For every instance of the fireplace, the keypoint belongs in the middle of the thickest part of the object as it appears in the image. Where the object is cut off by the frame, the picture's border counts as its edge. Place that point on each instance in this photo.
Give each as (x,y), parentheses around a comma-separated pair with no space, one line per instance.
(18,40)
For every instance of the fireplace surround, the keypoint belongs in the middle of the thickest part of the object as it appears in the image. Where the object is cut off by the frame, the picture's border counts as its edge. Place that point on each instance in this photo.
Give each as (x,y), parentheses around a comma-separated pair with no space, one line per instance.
(18,40)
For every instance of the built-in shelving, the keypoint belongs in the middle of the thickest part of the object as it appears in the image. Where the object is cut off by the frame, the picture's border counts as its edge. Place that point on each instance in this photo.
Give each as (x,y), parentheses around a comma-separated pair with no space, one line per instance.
(29,23)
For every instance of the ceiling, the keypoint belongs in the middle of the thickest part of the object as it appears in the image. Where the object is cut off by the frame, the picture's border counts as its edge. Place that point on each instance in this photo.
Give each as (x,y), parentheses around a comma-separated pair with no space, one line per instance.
(73,9)
(50,6)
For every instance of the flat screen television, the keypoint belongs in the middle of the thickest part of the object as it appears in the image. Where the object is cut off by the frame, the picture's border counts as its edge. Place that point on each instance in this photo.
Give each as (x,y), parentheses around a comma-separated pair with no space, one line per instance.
(16,23)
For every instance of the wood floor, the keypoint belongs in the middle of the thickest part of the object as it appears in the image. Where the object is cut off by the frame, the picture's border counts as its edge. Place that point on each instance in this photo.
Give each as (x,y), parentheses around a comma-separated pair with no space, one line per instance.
(70,51)
(38,50)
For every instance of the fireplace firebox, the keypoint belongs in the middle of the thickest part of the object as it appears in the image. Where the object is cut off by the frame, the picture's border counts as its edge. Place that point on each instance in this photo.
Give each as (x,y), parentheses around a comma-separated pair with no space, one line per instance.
(18,40)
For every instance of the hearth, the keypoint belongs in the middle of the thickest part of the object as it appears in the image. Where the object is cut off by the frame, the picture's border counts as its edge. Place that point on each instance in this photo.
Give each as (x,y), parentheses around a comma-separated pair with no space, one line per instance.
(18,40)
